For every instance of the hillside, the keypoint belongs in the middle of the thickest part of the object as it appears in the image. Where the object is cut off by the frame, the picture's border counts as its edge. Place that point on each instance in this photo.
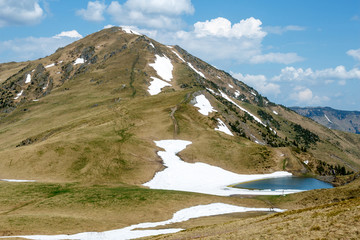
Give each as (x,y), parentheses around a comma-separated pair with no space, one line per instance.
(84,123)
(347,121)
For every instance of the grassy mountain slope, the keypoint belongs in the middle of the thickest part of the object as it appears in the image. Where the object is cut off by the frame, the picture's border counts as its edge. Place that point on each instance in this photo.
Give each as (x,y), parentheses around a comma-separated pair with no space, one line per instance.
(76,127)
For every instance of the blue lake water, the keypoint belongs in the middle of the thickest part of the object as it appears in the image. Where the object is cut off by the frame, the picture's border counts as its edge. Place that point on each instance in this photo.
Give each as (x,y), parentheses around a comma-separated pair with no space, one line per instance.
(299,183)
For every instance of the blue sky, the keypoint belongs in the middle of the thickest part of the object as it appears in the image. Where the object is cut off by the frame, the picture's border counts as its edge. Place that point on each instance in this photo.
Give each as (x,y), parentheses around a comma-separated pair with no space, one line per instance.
(297,53)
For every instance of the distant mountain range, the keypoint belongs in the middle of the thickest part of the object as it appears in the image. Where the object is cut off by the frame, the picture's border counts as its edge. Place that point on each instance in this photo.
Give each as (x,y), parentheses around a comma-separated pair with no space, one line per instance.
(347,121)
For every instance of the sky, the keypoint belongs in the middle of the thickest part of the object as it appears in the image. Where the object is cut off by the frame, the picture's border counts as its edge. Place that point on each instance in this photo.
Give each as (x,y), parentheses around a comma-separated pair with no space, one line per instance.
(296,53)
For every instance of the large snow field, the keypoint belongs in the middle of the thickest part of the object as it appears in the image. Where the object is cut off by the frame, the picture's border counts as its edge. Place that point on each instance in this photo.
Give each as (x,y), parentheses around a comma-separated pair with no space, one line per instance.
(129,232)
(156,85)
(163,67)
(204,105)
(201,177)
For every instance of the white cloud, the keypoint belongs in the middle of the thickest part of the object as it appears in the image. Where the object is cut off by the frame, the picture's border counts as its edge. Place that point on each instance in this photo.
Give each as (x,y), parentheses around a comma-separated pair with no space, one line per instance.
(304,95)
(355,53)
(259,82)
(94,11)
(219,39)
(150,13)
(31,48)
(285,58)
(70,34)
(290,74)
(280,30)
(221,27)
(20,12)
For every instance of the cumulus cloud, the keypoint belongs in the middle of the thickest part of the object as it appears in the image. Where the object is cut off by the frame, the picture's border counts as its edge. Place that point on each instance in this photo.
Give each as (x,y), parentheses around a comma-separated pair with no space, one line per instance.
(70,34)
(285,58)
(94,11)
(221,27)
(31,48)
(355,53)
(303,95)
(259,82)
(219,39)
(340,73)
(150,13)
(20,12)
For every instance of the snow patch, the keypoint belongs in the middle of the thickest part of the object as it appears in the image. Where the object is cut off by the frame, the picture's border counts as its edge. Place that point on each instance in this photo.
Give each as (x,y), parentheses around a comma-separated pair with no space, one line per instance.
(241,108)
(237,93)
(50,65)
(128,30)
(204,105)
(156,85)
(218,77)
(151,44)
(328,119)
(223,128)
(212,91)
(16,180)
(275,112)
(28,78)
(198,72)
(231,86)
(18,95)
(35,100)
(253,93)
(79,61)
(163,67)
(195,177)
(178,56)
(306,162)
(180,216)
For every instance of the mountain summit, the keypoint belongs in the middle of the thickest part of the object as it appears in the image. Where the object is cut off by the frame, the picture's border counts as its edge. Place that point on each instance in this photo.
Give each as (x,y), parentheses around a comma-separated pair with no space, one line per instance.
(117,129)
(92,111)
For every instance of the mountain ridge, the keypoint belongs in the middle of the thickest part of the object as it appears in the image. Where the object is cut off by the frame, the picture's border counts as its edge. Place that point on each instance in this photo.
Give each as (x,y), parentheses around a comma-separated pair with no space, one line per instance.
(348,121)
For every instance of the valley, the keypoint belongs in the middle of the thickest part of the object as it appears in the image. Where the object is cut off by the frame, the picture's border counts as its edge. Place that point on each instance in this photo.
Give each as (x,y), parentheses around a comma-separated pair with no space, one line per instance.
(117,129)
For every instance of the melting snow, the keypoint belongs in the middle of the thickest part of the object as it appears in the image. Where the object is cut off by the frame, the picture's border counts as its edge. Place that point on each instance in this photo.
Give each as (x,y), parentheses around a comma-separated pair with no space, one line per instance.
(128,30)
(79,61)
(223,128)
(151,44)
(306,162)
(163,67)
(35,100)
(241,108)
(328,119)
(18,95)
(275,112)
(201,177)
(28,78)
(180,216)
(16,180)
(204,105)
(253,93)
(218,77)
(156,85)
(237,93)
(169,46)
(198,72)
(231,86)
(50,65)
(178,56)
(212,91)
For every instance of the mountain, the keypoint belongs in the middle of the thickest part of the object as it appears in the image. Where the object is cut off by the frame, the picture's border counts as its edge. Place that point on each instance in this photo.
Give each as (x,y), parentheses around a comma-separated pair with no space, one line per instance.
(347,121)
(86,124)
